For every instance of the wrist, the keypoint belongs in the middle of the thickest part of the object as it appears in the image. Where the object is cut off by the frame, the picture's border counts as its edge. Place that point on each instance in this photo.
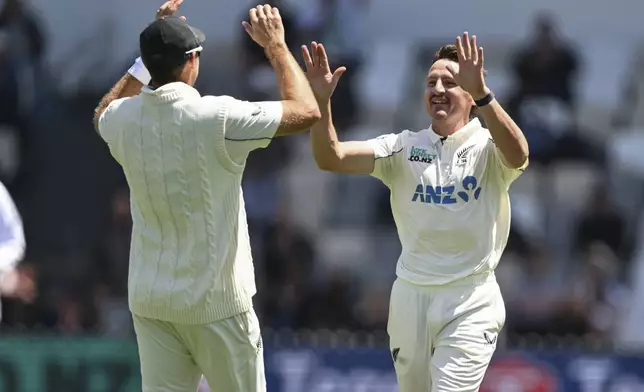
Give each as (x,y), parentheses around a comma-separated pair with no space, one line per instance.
(140,72)
(484,98)
(323,102)
(481,94)
(277,45)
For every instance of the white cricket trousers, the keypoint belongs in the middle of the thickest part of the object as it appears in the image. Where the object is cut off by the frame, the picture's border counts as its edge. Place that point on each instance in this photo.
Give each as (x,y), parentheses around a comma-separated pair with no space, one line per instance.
(228,353)
(442,338)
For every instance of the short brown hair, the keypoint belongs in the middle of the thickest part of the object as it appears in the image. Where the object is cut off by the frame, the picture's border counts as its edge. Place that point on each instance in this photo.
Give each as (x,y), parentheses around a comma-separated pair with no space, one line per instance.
(449,52)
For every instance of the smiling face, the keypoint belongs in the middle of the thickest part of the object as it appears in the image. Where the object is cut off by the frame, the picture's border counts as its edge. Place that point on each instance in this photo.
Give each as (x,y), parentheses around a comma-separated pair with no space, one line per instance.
(445,101)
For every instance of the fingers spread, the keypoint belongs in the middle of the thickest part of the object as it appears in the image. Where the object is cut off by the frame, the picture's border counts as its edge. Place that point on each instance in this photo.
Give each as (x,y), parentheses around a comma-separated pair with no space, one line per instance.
(481,57)
(459,50)
(338,74)
(308,62)
(467,48)
(324,61)
(315,53)
(474,50)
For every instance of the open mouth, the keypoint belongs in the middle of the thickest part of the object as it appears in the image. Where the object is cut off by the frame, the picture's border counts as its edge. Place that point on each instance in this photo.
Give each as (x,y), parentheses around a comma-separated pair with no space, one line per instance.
(439,101)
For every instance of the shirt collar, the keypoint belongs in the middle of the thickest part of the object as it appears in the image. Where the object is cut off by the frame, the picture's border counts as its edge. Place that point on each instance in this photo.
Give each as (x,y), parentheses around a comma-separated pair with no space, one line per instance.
(464,132)
(170,92)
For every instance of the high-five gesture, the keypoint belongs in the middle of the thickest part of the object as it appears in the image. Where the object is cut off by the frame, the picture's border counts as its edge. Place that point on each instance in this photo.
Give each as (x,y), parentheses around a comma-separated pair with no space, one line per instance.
(169,8)
(470,72)
(265,25)
(322,80)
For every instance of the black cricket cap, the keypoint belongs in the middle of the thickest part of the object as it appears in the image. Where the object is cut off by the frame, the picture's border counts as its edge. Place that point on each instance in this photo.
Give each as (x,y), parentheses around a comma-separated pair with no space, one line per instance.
(168,42)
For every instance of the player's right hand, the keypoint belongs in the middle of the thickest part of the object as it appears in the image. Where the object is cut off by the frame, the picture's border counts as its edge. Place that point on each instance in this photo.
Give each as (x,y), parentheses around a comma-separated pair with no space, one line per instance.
(169,8)
(265,26)
(323,82)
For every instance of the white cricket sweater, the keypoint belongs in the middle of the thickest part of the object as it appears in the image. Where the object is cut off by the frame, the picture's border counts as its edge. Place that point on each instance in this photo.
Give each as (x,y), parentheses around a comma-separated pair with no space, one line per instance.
(183,156)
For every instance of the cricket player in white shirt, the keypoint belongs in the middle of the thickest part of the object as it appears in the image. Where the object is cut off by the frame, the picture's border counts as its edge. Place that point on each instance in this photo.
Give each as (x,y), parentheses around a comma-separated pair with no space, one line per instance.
(12,246)
(191,278)
(449,196)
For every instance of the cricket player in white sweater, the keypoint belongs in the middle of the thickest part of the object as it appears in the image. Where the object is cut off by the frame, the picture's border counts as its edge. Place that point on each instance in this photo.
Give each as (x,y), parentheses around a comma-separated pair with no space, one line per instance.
(449,196)
(191,278)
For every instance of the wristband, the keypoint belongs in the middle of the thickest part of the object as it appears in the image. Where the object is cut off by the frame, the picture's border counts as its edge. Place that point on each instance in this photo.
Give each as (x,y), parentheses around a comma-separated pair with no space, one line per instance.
(139,72)
(485,100)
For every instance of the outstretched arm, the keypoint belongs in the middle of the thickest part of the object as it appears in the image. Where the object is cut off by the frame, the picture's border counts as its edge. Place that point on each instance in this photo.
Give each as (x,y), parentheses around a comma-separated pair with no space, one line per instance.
(330,154)
(299,108)
(339,157)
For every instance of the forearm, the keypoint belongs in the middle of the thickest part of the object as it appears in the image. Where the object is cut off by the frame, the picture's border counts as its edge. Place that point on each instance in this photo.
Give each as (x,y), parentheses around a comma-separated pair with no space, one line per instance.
(291,80)
(507,135)
(355,157)
(127,86)
(327,149)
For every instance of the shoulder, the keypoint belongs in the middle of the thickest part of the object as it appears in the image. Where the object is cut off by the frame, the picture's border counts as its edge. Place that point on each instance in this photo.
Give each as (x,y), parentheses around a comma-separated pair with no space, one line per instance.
(6,201)
(395,139)
(208,108)
(116,112)
(226,105)
(121,108)
(4,193)
(212,103)
(389,144)
(415,137)
(482,138)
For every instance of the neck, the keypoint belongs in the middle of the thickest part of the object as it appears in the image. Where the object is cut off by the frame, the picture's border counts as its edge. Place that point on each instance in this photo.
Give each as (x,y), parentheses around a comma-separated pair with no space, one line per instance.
(155,85)
(446,127)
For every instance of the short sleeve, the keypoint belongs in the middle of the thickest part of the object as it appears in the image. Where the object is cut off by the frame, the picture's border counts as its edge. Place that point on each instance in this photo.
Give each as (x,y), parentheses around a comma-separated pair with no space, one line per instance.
(106,122)
(250,126)
(386,153)
(506,173)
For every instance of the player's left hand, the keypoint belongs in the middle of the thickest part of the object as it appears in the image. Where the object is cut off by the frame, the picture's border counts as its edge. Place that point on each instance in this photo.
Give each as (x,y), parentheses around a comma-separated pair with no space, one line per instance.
(169,8)
(470,74)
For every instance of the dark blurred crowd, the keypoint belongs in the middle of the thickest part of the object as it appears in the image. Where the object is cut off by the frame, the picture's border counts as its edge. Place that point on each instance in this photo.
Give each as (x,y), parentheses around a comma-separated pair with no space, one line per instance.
(75,203)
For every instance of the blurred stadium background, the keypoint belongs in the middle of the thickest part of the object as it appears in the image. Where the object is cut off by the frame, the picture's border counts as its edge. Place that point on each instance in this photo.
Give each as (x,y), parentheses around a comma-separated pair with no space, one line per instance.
(571,72)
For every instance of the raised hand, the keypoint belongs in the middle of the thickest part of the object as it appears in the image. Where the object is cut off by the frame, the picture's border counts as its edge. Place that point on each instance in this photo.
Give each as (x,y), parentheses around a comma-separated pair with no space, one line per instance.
(470,74)
(169,8)
(323,81)
(265,25)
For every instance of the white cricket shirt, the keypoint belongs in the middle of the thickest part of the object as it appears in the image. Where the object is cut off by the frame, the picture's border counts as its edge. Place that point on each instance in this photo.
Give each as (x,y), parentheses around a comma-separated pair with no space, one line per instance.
(183,156)
(449,199)
(12,236)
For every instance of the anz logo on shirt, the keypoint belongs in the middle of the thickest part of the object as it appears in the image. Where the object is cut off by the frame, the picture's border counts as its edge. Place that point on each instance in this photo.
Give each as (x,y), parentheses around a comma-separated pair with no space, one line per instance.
(469,191)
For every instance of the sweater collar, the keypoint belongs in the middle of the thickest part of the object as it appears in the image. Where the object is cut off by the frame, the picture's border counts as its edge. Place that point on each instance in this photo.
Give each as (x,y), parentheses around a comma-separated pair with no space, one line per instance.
(170,92)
